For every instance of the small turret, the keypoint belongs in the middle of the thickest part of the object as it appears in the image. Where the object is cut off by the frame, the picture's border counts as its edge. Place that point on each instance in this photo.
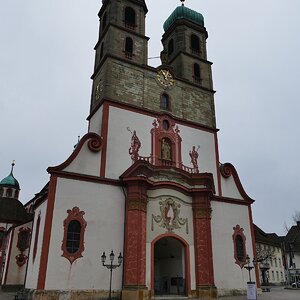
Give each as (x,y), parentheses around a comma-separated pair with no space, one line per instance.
(9,186)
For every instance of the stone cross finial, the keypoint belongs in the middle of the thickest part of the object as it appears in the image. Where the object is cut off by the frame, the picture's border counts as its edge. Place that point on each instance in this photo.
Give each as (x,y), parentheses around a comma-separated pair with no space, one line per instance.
(182,1)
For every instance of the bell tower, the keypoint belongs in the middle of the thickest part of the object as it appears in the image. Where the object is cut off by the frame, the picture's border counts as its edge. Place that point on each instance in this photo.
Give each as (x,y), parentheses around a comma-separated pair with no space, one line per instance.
(184,43)
(121,40)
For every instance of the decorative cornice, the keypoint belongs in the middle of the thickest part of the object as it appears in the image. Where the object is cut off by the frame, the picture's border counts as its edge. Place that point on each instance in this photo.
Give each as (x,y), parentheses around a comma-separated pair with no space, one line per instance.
(228,170)
(94,144)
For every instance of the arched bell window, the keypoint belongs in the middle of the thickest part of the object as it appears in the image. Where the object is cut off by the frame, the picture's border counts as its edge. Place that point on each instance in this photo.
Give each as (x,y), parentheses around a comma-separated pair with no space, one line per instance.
(195,44)
(128,47)
(1,192)
(239,243)
(197,73)
(170,47)
(73,241)
(165,101)
(130,17)
(9,193)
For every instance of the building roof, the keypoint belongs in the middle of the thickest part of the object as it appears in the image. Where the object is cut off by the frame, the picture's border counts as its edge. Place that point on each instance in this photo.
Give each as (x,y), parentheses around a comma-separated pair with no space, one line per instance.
(262,237)
(10,180)
(183,12)
(293,238)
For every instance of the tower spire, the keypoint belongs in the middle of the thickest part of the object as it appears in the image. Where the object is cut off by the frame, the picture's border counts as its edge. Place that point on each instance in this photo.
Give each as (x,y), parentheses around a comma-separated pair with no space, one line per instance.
(12,166)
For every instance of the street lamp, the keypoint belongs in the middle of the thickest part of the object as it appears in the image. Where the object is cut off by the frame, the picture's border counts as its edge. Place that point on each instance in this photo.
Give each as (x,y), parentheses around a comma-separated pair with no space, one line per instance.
(111,266)
(248,267)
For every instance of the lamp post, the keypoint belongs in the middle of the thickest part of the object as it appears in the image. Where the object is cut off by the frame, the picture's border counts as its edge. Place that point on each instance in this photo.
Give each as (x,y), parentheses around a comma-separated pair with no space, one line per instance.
(111,266)
(248,267)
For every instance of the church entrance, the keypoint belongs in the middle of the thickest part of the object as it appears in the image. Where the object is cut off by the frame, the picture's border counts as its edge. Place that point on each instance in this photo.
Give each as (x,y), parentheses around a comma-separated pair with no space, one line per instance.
(169,267)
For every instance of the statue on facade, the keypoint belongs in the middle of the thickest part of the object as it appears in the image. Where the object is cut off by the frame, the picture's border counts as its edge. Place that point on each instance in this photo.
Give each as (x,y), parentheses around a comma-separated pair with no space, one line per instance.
(135,146)
(165,150)
(194,157)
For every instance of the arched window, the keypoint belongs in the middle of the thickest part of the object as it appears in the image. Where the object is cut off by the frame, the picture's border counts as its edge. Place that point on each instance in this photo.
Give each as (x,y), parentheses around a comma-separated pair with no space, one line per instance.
(2,236)
(129,17)
(170,47)
(104,21)
(128,47)
(16,194)
(73,236)
(195,44)
(166,124)
(9,193)
(197,73)
(74,228)
(1,192)
(101,50)
(165,101)
(23,239)
(239,243)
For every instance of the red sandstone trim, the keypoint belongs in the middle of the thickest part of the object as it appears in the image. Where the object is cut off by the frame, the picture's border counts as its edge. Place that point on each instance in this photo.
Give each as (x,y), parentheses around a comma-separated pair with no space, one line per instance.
(73,215)
(231,200)
(94,144)
(9,254)
(253,246)
(47,234)
(218,165)
(150,113)
(238,231)
(104,134)
(187,259)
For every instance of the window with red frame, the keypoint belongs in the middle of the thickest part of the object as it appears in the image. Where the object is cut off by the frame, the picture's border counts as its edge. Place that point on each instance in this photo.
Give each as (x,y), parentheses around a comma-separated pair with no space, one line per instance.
(23,239)
(239,243)
(74,228)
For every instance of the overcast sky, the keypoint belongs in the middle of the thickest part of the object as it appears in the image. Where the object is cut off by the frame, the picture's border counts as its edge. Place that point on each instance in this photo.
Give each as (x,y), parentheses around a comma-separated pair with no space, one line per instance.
(47,57)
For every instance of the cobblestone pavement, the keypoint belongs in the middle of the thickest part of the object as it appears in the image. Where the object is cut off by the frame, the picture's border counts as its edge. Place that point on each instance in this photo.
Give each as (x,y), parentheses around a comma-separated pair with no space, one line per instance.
(276,293)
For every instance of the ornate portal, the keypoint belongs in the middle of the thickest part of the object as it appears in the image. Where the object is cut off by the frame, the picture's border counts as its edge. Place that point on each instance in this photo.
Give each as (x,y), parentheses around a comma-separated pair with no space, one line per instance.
(169,217)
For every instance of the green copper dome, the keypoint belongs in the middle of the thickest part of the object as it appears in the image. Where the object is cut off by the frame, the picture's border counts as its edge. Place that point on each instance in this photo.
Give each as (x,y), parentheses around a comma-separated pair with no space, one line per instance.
(11,181)
(182,12)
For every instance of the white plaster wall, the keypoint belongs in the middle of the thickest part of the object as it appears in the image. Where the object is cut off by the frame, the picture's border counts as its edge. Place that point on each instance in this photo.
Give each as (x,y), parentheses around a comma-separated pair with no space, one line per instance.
(153,208)
(207,153)
(96,121)
(86,162)
(229,188)
(34,266)
(225,216)
(8,242)
(119,139)
(104,213)
(16,274)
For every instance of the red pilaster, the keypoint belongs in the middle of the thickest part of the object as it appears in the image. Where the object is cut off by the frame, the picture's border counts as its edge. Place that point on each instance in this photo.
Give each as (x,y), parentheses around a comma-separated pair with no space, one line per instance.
(135,235)
(202,239)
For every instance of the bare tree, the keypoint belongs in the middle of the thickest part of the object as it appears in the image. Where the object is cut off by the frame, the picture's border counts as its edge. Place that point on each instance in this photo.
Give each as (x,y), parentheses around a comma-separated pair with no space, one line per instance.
(296,216)
(263,254)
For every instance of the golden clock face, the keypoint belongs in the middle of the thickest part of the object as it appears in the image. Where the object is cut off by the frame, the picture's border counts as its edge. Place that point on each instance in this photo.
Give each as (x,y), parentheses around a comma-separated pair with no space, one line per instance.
(165,78)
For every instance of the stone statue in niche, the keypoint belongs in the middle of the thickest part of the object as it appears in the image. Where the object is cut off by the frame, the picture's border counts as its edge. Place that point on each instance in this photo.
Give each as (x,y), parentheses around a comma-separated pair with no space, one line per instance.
(194,157)
(166,150)
(135,145)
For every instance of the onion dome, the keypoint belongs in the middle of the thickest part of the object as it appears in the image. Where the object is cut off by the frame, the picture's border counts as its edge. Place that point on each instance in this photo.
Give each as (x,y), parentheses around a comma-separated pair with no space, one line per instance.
(182,12)
(10,180)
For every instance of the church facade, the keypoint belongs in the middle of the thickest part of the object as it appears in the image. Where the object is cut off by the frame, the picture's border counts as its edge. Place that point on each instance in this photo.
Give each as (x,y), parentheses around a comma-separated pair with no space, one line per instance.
(145,181)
